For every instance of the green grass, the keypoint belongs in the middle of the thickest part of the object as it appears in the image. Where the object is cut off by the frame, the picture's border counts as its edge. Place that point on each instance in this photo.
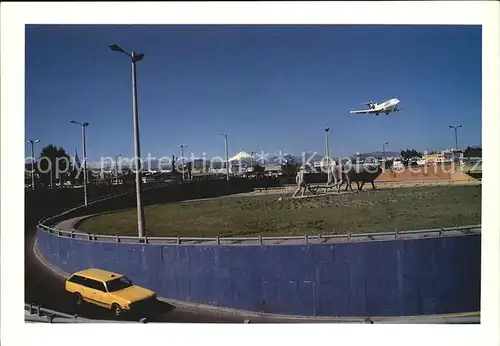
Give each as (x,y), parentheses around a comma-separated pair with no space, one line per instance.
(369,211)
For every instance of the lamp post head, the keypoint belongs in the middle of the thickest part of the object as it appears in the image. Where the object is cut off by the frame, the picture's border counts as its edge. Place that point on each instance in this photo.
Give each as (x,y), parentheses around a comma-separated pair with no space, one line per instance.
(116,48)
(327,129)
(81,124)
(137,56)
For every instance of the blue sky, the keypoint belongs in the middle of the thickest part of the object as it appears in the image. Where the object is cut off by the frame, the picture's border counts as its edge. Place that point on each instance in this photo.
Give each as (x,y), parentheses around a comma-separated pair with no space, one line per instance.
(270,88)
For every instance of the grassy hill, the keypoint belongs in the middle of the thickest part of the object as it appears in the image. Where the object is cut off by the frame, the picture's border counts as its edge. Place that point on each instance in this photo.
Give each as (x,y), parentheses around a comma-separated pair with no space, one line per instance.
(369,211)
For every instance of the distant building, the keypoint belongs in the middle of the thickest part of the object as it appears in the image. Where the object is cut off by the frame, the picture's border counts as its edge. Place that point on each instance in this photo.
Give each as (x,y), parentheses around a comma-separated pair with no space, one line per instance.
(273,170)
(320,164)
(445,156)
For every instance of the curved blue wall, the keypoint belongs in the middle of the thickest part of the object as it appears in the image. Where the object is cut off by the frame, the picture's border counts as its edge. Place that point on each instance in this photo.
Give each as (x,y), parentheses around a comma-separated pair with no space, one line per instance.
(376,278)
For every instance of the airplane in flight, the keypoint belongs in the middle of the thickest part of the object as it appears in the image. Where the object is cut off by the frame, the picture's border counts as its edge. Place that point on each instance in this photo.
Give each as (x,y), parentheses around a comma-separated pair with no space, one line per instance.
(377,108)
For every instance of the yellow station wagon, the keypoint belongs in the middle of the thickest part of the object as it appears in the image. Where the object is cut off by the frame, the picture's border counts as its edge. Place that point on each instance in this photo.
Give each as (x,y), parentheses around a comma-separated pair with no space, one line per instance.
(109,290)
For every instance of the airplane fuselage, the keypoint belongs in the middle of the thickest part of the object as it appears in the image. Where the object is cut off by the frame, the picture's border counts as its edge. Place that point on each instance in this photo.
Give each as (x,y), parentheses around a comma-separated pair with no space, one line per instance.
(377,108)
(387,106)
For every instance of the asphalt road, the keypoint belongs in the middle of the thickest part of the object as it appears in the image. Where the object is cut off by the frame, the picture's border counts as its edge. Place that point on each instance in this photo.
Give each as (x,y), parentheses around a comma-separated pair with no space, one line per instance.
(44,287)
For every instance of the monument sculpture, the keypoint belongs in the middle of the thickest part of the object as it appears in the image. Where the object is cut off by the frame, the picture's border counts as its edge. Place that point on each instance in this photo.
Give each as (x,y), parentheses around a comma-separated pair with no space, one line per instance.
(361,173)
(336,176)
(302,184)
(173,164)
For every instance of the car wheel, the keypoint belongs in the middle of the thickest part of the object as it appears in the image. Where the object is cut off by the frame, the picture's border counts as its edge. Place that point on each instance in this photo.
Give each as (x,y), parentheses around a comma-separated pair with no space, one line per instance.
(78,299)
(117,310)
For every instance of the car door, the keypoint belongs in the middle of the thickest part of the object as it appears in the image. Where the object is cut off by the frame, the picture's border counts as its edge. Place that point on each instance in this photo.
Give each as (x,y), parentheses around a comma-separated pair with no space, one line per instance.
(96,292)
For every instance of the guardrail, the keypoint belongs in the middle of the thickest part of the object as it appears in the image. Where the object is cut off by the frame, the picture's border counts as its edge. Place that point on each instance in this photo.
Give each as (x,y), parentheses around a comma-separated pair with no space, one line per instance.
(260,240)
(39,314)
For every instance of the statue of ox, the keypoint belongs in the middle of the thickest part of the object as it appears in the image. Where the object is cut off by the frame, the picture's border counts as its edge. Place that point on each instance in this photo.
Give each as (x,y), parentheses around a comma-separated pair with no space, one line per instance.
(338,174)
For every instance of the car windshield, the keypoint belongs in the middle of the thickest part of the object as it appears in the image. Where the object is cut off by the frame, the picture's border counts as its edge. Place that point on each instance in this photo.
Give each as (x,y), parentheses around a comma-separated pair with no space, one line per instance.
(118,284)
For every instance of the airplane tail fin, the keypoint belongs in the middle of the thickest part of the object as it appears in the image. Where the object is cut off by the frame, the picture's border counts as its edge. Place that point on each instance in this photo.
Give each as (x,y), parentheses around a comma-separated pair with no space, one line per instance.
(370,104)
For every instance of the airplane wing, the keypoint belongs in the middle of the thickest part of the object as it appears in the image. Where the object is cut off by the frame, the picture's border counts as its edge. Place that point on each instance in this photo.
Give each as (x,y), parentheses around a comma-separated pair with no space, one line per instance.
(365,111)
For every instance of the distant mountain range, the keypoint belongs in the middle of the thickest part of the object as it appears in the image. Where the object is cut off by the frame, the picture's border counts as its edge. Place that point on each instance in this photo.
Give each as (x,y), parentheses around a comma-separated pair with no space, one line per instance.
(241,157)
(267,159)
(244,158)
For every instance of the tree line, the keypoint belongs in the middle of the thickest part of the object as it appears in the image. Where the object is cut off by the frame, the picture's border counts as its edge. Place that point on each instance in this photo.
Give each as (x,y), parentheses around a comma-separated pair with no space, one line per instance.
(52,165)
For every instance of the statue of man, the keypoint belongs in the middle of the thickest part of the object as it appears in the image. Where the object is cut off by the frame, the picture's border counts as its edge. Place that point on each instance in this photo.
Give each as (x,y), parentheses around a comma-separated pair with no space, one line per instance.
(189,170)
(334,173)
(302,185)
(173,164)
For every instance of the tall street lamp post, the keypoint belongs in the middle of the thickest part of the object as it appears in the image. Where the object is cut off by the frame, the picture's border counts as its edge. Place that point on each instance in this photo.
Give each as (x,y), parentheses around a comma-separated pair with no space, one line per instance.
(182,146)
(84,144)
(327,154)
(135,57)
(383,149)
(456,137)
(227,157)
(32,142)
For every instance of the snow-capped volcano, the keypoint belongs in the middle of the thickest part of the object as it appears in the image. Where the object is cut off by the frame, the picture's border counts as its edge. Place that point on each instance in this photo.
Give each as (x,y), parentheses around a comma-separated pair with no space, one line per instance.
(240,156)
(268,158)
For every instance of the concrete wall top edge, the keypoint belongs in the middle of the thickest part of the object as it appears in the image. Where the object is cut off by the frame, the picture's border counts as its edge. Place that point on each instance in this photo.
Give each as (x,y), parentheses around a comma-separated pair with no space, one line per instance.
(254,242)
